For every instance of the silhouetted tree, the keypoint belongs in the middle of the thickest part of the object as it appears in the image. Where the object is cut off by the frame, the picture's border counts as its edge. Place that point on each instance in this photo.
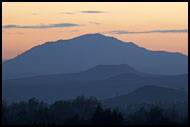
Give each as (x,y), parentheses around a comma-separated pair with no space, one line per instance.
(106,117)
(5,112)
(138,117)
(74,120)
(155,116)
(82,111)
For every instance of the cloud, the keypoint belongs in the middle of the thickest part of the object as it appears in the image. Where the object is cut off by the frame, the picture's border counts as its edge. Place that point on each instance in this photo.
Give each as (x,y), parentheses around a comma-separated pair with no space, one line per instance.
(42,26)
(75,30)
(92,12)
(153,31)
(34,13)
(12,33)
(19,33)
(68,13)
(95,23)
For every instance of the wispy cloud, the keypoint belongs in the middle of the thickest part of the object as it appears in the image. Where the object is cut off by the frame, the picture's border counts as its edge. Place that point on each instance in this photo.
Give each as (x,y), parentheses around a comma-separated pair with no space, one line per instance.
(19,33)
(75,30)
(68,13)
(8,33)
(34,13)
(152,31)
(97,23)
(66,31)
(43,26)
(93,12)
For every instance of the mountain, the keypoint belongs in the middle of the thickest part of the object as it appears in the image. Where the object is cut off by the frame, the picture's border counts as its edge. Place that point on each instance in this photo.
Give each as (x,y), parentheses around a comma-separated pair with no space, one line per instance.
(86,51)
(98,72)
(101,81)
(107,71)
(3,60)
(148,94)
(173,81)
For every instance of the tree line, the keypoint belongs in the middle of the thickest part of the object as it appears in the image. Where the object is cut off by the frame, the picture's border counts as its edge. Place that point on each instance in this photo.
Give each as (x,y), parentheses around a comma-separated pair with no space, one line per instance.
(80,111)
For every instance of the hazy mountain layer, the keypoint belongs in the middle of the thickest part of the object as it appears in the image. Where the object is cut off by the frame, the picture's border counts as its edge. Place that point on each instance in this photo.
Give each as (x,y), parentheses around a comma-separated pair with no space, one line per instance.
(148,94)
(103,81)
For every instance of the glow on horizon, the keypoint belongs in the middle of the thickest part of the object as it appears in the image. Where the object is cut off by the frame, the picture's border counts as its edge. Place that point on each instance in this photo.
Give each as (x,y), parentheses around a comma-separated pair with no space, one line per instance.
(94,17)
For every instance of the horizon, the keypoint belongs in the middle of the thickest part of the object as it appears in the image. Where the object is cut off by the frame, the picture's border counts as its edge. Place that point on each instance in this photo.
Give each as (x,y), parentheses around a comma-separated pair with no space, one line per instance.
(3,60)
(154,26)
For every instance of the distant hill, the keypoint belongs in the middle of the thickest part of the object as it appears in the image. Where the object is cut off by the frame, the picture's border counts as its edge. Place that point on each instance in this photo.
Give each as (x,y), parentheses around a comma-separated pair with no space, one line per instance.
(101,81)
(148,94)
(107,71)
(98,72)
(86,51)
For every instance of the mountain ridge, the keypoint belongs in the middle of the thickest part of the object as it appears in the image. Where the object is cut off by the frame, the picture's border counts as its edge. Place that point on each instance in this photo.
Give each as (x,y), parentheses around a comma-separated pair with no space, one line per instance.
(148,94)
(80,53)
(61,41)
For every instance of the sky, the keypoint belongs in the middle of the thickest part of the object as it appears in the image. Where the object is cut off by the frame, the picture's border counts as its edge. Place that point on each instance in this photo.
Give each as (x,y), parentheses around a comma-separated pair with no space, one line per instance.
(152,25)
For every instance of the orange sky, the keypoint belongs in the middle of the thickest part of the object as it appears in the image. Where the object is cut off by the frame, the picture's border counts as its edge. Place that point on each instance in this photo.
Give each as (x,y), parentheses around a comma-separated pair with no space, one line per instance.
(107,17)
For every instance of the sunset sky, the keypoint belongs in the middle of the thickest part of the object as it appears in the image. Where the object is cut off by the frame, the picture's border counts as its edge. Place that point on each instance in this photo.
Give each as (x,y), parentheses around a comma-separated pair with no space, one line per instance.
(155,26)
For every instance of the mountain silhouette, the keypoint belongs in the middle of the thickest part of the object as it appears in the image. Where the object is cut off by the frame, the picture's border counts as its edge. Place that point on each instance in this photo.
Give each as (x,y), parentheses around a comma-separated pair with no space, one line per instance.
(148,94)
(86,51)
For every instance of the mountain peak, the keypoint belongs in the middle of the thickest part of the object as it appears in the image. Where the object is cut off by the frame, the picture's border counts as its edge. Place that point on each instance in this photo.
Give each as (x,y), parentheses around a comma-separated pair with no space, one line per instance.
(122,68)
(90,36)
(94,34)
